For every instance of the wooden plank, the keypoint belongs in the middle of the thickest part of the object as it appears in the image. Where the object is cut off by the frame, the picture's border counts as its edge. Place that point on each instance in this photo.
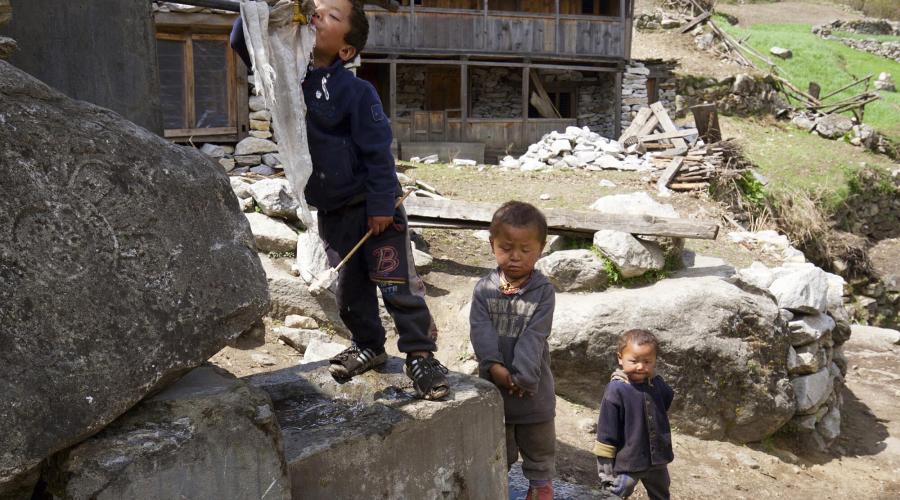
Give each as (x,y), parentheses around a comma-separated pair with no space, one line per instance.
(694,22)
(660,112)
(639,120)
(648,127)
(461,212)
(547,106)
(668,135)
(669,173)
(5,12)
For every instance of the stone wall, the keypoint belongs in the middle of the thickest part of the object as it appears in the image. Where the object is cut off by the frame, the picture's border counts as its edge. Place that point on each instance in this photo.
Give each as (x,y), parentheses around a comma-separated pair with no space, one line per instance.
(596,104)
(634,88)
(495,92)
(740,95)
(888,49)
(410,89)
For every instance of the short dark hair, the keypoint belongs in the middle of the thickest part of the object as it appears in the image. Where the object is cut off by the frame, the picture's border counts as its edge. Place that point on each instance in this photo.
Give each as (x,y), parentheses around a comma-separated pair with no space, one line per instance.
(519,214)
(638,337)
(359,27)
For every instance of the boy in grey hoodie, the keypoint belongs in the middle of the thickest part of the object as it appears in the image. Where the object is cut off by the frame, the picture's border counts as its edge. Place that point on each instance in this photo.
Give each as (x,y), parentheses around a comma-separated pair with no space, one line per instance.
(511,317)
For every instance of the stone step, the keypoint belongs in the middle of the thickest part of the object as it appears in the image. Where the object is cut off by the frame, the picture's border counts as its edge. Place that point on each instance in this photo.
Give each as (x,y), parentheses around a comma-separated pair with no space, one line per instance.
(371,438)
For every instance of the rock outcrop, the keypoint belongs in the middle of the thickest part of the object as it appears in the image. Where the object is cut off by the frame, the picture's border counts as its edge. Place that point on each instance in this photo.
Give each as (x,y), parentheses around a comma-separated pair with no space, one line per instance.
(124,262)
(209,435)
(372,425)
(724,350)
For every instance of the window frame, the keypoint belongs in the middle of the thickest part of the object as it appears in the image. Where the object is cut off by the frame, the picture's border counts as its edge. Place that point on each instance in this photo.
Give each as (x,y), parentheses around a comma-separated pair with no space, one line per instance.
(232,131)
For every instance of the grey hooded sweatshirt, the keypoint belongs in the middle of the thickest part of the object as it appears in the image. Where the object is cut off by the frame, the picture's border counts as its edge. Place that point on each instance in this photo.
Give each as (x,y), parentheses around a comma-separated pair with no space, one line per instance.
(512,330)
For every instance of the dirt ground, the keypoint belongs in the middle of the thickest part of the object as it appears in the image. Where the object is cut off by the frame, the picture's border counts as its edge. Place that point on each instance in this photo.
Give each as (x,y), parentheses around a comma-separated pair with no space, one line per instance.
(816,12)
(865,462)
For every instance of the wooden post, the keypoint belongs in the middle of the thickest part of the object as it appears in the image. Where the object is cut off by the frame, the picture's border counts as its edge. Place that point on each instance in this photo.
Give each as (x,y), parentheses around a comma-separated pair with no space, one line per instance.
(617,105)
(412,23)
(525,91)
(706,119)
(464,99)
(814,89)
(484,27)
(393,91)
(556,31)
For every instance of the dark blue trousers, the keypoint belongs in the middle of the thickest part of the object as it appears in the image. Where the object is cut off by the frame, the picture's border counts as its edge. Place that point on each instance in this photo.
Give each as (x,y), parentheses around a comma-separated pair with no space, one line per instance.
(384,261)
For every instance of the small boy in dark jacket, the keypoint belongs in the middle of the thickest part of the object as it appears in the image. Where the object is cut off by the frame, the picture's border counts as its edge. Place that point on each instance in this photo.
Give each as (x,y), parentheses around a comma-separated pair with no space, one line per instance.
(354,186)
(634,441)
(511,317)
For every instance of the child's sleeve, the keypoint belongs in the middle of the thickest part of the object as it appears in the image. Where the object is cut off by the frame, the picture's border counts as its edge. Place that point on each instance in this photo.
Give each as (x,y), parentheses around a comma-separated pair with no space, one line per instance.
(610,424)
(371,133)
(481,333)
(668,393)
(238,43)
(530,346)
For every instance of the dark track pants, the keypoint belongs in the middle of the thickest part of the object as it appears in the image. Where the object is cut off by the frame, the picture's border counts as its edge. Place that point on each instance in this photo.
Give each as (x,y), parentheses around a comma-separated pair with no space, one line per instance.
(384,261)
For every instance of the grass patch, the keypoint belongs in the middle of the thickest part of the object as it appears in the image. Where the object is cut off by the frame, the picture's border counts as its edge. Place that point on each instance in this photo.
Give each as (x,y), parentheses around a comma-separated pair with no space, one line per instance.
(796,161)
(829,63)
(615,278)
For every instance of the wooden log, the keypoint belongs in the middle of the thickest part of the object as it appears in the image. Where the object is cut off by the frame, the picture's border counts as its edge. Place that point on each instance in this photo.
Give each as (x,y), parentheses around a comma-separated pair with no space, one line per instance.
(668,135)
(688,186)
(648,126)
(639,120)
(447,213)
(694,22)
(544,100)
(672,152)
(669,173)
(660,112)
(845,87)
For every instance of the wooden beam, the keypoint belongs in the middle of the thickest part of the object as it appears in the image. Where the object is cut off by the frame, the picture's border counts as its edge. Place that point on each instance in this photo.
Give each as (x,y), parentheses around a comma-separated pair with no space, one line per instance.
(668,135)
(694,22)
(639,120)
(543,102)
(464,100)
(478,215)
(617,105)
(660,112)
(525,92)
(669,173)
(393,91)
(445,62)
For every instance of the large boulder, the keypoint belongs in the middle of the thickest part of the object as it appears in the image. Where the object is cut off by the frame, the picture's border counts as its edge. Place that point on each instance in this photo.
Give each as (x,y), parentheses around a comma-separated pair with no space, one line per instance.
(833,126)
(275,198)
(573,270)
(631,256)
(724,351)
(209,435)
(124,262)
(272,235)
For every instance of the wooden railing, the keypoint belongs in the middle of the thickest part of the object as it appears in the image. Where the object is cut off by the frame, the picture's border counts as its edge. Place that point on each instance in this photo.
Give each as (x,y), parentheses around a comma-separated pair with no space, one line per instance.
(456,31)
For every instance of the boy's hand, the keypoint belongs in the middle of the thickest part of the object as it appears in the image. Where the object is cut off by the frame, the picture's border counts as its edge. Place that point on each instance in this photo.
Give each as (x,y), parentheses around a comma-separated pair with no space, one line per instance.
(500,375)
(378,223)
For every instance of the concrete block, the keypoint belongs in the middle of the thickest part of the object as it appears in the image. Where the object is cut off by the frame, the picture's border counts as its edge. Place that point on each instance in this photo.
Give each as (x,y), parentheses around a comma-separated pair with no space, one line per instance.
(370,438)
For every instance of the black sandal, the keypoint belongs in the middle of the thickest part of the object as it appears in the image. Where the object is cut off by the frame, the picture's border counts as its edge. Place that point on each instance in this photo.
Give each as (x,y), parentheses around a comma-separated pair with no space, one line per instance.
(354,361)
(429,377)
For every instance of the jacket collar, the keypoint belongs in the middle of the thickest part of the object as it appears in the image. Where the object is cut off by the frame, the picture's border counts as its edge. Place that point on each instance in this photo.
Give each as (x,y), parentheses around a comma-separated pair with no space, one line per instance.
(537,280)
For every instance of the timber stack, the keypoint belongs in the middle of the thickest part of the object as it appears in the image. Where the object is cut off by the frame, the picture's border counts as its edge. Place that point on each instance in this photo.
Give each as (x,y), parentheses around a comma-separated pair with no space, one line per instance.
(686,159)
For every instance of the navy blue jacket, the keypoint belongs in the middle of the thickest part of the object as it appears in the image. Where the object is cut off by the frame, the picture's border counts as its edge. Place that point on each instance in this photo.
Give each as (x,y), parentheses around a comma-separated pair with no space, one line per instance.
(633,419)
(349,138)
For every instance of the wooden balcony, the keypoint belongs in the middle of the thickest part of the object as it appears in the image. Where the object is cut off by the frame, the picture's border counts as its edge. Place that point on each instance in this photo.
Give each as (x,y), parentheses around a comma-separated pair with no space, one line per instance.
(483,32)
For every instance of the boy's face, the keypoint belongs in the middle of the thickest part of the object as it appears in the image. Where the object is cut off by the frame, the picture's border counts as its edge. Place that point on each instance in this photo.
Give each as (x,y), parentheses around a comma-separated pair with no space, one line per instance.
(638,361)
(332,23)
(516,249)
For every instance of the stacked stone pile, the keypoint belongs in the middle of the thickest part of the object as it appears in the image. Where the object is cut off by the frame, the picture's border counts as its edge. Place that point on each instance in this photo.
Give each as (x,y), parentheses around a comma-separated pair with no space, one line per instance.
(888,49)
(258,153)
(576,148)
(837,126)
(741,95)
(811,303)
(634,91)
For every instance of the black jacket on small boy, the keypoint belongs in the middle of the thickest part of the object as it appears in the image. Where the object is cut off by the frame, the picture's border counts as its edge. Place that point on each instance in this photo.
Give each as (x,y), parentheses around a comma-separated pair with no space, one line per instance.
(633,419)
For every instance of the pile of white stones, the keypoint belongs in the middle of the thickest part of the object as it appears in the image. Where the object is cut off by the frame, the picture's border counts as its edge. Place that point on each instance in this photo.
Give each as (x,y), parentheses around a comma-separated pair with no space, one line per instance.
(577,147)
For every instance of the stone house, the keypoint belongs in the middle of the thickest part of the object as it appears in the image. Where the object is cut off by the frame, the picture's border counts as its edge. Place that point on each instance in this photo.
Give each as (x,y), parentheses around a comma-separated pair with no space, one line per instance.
(489,76)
